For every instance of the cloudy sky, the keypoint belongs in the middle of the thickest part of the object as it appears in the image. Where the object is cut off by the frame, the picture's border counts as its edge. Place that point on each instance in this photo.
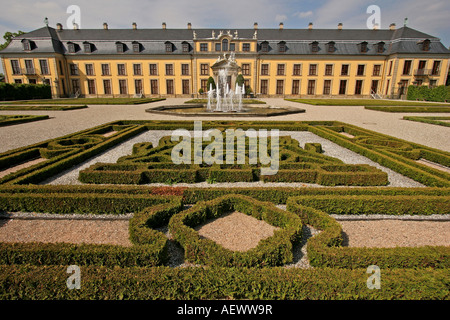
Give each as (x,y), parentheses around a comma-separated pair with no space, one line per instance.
(429,16)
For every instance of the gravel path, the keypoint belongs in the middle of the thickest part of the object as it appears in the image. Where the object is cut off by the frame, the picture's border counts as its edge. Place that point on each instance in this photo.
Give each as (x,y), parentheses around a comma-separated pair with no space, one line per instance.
(330,149)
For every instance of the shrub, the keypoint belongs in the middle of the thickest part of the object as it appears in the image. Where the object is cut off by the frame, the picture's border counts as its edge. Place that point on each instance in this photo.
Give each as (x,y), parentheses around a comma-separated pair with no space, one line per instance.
(10,91)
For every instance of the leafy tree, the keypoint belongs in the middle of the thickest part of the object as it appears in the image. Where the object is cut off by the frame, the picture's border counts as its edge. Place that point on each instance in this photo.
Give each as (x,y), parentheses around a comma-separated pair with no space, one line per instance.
(209,82)
(8,36)
(240,80)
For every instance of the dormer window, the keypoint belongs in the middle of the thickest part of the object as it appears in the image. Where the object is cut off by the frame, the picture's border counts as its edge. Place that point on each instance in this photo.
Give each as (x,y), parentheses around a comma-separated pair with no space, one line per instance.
(281,46)
(169,46)
(265,46)
(331,47)
(186,47)
(26,45)
(71,47)
(120,47)
(426,45)
(315,46)
(87,47)
(363,47)
(380,47)
(136,47)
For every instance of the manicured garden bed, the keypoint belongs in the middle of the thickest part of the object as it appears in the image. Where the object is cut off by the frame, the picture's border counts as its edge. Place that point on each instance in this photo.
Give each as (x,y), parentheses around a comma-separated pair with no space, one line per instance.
(364,102)
(8,120)
(88,101)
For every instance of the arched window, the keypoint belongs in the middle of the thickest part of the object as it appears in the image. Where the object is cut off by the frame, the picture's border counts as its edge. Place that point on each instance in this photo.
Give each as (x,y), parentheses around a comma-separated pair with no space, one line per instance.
(225,45)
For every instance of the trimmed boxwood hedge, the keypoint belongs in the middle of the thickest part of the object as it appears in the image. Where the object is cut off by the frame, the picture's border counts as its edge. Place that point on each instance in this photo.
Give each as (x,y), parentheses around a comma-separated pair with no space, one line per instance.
(324,249)
(273,251)
(163,283)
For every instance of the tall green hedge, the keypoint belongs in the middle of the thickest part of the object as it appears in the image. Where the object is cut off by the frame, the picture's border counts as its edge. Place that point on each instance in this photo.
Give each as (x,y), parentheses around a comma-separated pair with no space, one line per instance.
(14,91)
(425,93)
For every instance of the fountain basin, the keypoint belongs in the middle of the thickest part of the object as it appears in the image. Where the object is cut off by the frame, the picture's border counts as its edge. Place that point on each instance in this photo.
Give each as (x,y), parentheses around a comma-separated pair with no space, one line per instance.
(197,110)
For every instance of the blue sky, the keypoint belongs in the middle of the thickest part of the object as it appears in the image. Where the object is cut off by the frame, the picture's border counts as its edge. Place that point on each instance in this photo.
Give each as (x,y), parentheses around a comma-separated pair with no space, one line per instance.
(429,16)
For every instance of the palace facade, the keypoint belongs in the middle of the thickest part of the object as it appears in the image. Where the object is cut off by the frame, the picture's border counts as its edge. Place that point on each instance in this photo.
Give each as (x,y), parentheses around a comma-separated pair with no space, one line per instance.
(274,62)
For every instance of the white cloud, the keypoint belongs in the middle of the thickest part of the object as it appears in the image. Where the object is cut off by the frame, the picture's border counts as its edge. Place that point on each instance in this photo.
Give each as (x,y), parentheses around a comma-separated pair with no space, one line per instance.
(303,14)
(281,18)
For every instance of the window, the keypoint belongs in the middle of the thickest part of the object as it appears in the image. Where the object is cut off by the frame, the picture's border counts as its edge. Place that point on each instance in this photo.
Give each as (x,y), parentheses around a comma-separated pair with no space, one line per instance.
(282,46)
(18,81)
(265,46)
(203,47)
(407,67)
(426,45)
(204,85)
(246,47)
(185,85)
(218,46)
(327,87)
(295,86)
(185,69)
(154,86)
(376,70)
(76,86)
(46,81)
(331,47)
(105,69)
(107,86)
(32,81)
(169,47)
(264,86)
(136,47)
(120,47)
(360,70)
(29,67)
(280,86)
(313,69)
(380,47)
(87,47)
(265,69)
(390,67)
(26,45)
(232,47)
(121,70)
(123,87)
(358,86)
(89,69)
(169,69)
(280,69)
(342,86)
(422,64)
(315,46)
(224,45)
(297,70)
(363,47)
(138,86)
(246,69)
(436,67)
(15,66)
(387,86)
(169,86)
(374,86)
(344,70)
(61,70)
(74,69)
(153,69)
(137,69)
(328,69)
(91,86)
(44,66)
(71,47)
(433,83)
(204,69)
(311,87)
(185,47)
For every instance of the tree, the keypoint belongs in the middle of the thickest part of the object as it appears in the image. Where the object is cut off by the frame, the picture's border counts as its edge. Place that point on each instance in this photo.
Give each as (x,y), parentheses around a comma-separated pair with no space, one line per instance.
(209,82)
(8,36)
(240,80)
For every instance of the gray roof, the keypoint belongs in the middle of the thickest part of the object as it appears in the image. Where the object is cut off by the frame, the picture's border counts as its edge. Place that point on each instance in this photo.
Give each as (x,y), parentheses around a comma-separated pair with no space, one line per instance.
(402,40)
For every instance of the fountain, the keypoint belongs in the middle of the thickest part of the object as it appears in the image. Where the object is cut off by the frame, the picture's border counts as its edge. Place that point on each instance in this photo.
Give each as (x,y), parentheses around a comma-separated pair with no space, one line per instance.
(224,100)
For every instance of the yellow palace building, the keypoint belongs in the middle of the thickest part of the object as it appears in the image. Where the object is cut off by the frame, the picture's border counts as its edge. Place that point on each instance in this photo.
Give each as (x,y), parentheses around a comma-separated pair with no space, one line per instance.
(274,62)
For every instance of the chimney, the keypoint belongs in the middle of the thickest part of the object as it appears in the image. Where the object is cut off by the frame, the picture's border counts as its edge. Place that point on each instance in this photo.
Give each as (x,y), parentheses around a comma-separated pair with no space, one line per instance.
(340,26)
(310,26)
(134,26)
(164,26)
(189,26)
(255,26)
(75,26)
(281,25)
(59,27)
(392,26)
(376,26)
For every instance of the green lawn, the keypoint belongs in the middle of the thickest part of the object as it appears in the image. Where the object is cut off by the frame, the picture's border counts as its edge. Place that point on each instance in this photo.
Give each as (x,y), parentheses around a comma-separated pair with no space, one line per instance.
(431,109)
(8,120)
(89,101)
(40,107)
(431,120)
(244,101)
(363,102)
